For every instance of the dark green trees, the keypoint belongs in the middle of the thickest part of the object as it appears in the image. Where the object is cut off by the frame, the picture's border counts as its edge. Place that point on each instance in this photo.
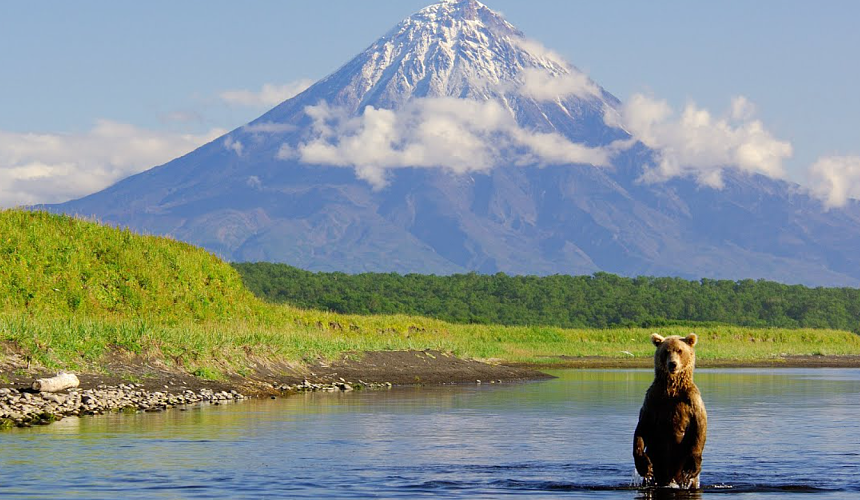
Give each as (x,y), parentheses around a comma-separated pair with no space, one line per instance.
(600,300)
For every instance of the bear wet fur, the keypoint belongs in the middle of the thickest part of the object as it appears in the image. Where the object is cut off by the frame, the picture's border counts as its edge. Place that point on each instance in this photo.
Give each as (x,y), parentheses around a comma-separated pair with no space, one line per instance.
(670,436)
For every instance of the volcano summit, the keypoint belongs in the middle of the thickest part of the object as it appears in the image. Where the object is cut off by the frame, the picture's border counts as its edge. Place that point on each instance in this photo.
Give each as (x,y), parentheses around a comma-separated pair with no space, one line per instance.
(454,143)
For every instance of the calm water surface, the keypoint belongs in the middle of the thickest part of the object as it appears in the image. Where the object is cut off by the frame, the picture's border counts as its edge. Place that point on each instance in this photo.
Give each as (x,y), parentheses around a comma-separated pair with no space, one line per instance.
(772,434)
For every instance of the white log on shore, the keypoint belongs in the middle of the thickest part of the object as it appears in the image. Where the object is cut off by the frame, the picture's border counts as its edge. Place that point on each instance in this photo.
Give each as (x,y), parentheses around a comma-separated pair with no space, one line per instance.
(55,384)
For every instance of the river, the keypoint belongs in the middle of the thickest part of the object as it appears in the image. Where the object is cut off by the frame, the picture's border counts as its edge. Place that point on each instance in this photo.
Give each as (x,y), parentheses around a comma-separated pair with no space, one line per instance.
(772,434)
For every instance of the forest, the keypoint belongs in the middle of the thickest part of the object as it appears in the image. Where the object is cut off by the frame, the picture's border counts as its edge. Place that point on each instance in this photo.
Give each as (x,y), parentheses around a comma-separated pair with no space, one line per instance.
(596,301)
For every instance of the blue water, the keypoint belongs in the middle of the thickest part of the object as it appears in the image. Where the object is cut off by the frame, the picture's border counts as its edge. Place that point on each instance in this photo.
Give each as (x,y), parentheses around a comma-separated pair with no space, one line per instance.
(772,434)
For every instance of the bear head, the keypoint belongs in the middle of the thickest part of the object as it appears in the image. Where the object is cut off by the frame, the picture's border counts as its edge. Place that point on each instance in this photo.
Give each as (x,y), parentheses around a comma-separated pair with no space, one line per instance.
(675,357)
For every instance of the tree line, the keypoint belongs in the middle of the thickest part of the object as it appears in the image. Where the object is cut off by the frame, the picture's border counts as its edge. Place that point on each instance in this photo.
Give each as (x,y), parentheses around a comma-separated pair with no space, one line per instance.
(598,301)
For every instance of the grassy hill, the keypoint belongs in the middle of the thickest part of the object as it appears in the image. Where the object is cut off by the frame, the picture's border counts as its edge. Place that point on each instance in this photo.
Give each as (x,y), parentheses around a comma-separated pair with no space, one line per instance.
(61,265)
(73,291)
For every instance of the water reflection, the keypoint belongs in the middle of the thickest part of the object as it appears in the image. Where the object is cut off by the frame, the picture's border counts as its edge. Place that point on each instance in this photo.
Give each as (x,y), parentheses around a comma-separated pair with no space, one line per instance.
(669,494)
(785,432)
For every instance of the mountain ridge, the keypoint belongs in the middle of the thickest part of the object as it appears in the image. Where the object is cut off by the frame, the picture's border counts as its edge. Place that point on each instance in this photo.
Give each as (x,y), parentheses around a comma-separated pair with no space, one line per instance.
(453,143)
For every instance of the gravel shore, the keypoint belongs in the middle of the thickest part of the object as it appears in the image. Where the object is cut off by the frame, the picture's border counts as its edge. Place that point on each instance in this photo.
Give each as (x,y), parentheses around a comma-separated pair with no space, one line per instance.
(26,408)
(21,408)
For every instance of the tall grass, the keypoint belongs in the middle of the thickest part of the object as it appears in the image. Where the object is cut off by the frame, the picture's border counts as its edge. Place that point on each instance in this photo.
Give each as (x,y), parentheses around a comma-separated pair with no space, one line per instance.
(61,265)
(71,291)
(79,343)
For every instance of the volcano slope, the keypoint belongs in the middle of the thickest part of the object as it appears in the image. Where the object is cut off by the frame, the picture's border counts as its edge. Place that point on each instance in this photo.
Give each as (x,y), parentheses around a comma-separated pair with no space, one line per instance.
(455,144)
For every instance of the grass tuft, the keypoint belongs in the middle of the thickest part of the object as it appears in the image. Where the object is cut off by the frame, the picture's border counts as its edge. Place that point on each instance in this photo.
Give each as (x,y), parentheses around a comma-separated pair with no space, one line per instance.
(207,373)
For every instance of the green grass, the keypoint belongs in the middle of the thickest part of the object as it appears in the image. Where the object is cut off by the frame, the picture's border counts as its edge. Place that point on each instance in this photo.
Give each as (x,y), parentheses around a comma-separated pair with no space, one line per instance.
(132,379)
(71,291)
(207,373)
(204,349)
(66,266)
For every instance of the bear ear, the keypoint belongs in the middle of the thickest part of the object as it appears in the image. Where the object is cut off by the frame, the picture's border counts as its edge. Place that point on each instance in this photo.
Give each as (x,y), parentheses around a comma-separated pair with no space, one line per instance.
(657,339)
(691,339)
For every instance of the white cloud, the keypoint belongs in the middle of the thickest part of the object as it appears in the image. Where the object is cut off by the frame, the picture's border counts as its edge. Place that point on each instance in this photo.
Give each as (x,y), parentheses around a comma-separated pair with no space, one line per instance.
(233,145)
(285,152)
(553,78)
(187,116)
(269,95)
(254,182)
(545,55)
(742,108)
(544,86)
(51,168)
(269,128)
(455,134)
(835,179)
(696,144)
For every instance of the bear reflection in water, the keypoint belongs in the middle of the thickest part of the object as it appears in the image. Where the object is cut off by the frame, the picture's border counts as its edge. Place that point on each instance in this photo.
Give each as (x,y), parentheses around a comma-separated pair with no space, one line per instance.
(669,494)
(670,436)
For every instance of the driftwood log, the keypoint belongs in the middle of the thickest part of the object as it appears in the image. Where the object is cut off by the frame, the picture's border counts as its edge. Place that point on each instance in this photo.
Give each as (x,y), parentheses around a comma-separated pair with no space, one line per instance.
(61,382)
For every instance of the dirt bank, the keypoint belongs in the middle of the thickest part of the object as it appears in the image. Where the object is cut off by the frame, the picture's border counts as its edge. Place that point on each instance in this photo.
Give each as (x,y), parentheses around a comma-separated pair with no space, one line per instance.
(419,368)
(266,377)
(388,367)
(132,383)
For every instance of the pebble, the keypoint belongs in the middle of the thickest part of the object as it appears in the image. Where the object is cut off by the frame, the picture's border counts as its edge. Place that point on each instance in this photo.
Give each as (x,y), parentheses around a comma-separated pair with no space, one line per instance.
(342,386)
(26,409)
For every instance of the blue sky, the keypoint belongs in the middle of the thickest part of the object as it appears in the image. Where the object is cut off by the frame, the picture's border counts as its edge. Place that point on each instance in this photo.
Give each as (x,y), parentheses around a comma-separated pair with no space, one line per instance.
(75,74)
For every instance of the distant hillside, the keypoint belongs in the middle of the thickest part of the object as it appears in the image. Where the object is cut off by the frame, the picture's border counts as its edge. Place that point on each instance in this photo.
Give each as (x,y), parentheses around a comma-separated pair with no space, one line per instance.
(596,301)
(66,266)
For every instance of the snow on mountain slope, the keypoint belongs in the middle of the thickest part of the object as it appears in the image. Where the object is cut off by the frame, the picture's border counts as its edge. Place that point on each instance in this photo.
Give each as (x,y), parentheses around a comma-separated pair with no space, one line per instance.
(459,49)
(455,143)
(456,49)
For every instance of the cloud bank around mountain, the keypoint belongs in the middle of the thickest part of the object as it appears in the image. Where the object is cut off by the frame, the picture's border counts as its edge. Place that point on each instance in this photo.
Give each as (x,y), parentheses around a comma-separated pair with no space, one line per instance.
(454,134)
(458,135)
(697,144)
(53,167)
(835,179)
(50,168)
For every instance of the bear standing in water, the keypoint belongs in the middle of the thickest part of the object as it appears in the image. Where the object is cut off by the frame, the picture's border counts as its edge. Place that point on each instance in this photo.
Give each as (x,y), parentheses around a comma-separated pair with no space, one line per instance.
(670,437)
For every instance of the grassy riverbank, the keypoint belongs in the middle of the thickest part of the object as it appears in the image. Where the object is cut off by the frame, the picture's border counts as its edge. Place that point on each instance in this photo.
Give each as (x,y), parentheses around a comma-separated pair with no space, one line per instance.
(298,336)
(73,294)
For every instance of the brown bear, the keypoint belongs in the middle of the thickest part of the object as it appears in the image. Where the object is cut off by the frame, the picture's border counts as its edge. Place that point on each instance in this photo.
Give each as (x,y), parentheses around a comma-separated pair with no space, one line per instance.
(670,437)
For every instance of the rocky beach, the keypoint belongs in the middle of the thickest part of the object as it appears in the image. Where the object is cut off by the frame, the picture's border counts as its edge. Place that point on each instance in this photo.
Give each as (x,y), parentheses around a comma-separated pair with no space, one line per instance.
(138,385)
(22,408)
(26,408)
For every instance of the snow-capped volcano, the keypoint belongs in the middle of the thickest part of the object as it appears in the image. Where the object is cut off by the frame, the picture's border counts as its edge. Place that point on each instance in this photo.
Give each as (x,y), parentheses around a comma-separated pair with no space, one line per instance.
(458,49)
(455,143)
(462,49)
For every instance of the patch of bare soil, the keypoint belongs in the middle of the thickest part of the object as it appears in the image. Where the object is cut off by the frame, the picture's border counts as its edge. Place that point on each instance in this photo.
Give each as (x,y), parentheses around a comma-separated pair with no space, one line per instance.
(18,372)
(267,376)
(418,368)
